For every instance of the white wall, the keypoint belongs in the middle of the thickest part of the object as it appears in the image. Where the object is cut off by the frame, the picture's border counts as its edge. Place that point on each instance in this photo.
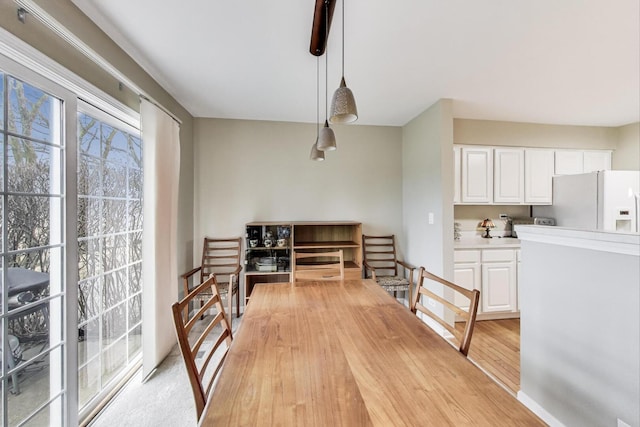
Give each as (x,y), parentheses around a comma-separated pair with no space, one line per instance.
(427,187)
(580,328)
(260,171)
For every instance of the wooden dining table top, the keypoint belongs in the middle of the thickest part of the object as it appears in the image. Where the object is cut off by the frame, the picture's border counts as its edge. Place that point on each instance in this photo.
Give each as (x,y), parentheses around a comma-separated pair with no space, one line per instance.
(345,353)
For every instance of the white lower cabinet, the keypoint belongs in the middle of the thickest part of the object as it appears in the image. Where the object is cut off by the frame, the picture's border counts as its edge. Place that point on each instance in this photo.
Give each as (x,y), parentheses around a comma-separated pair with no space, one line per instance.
(493,272)
(466,273)
(498,287)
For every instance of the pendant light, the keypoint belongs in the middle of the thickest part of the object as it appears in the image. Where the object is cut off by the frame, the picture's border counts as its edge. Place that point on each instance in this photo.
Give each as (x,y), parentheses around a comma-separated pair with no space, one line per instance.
(316,154)
(343,105)
(326,139)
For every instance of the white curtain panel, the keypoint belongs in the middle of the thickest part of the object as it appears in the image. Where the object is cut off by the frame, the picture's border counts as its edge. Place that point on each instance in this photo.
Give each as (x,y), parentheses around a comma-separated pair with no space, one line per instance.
(161,157)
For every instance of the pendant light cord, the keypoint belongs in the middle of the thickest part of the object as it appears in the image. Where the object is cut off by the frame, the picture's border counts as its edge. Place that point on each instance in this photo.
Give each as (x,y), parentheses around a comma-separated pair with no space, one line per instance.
(326,60)
(342,38)
(317,97)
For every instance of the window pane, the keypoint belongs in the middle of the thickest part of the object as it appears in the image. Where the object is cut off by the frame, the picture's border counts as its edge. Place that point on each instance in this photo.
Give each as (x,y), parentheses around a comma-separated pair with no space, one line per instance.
(89,381)
(29,165)
(115,180)
(89,341)
(88,258)
(37,381)
(114,359)
(135,341)
(31,112)
(110,249)
(32,253)
(29,219)
(1,100)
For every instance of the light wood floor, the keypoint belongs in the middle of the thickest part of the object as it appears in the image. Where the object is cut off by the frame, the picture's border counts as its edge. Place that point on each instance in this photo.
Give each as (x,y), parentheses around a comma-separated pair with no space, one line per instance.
(495,347)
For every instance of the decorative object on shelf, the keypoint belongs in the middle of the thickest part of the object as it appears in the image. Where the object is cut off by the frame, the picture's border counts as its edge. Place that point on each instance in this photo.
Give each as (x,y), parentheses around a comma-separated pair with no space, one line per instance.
(284,232)
(268,240)
(456,231)
(316,154)
(487,224)
(267,264)
(343,105)
(253,243)
(326,139)
(281,243)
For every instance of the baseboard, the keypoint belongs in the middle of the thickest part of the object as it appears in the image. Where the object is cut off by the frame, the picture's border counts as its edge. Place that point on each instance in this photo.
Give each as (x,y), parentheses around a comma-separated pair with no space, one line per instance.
(538,410)
(498,316)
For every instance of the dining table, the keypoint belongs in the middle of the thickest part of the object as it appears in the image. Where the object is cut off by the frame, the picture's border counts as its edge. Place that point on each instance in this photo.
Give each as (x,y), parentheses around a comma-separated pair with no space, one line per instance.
(346,353)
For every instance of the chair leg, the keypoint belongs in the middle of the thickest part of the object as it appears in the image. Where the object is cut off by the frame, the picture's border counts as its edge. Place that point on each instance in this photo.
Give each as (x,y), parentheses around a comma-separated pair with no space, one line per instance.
(230,302)
(238,303)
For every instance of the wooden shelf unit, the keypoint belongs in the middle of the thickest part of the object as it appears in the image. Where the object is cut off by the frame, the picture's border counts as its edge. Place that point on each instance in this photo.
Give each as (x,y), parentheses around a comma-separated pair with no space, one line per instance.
(306,236)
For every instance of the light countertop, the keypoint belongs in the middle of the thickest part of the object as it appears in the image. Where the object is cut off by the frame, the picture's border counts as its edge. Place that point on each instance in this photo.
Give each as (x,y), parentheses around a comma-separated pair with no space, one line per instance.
(481,243)
(599,240)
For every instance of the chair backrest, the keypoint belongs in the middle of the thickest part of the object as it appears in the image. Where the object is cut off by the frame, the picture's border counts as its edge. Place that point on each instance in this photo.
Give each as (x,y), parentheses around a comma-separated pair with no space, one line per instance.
(468,316)
(307,266)
(220,256)
(380,253)
(200,339)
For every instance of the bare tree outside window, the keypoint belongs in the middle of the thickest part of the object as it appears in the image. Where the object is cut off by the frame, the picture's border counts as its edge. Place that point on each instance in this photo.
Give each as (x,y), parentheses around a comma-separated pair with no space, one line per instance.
(110,251)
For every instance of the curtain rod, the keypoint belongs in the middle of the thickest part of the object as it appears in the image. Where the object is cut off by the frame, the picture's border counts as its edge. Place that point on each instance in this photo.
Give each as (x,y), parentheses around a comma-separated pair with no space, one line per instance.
(60,30)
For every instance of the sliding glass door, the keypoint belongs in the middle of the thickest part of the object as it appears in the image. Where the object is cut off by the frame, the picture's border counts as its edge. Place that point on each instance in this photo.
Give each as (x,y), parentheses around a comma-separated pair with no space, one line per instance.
(110,250)
(70,251)
(34,276)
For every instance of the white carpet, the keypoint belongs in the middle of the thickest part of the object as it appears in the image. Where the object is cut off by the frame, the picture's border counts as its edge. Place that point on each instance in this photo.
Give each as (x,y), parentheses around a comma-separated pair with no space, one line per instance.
(165,399)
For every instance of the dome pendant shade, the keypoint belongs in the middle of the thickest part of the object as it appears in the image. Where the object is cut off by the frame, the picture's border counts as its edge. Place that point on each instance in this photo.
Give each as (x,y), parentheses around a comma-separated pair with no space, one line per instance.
(327,139)
(316,154)
(343,105)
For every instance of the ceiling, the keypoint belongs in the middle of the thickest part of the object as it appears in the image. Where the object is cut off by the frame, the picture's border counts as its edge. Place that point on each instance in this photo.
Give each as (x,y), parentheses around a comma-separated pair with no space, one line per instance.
(545,61)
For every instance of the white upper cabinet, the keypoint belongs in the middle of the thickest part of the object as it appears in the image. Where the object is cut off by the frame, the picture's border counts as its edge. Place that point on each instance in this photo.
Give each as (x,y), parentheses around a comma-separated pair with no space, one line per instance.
(571,162)
(508,178)
(538,176)
(596,161)
(517,175)
(477,175)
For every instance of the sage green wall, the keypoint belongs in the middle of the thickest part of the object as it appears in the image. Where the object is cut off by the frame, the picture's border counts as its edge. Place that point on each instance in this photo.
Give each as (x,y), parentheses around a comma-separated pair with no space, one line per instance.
(40,37)
(260,171)
(627,154)
(489,132)
(427,187)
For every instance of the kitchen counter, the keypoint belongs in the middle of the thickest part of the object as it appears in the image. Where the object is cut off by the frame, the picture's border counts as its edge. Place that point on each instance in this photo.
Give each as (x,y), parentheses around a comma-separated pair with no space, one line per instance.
(481,243)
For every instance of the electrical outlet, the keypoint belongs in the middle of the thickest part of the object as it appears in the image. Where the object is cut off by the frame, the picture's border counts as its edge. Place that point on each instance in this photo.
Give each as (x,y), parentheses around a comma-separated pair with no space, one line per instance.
(432,302)
(431,218)
(504,216)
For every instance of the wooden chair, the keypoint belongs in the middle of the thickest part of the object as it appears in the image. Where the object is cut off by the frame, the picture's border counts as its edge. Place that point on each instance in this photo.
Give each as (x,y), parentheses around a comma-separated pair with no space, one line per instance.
(317,266)
(203,358)
(222,257)
(469,316)
(384,266)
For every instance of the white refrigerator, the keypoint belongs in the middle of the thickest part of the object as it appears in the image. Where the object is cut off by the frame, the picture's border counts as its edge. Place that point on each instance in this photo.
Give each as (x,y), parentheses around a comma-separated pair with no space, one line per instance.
(604,200)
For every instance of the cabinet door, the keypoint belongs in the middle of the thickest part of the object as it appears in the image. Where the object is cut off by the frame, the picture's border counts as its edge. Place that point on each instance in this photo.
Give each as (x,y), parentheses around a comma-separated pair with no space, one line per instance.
(477,175)
(498,287)
(538,176)
(596,161)
(508,177)
(569,162)
(466,275)
(456,171)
